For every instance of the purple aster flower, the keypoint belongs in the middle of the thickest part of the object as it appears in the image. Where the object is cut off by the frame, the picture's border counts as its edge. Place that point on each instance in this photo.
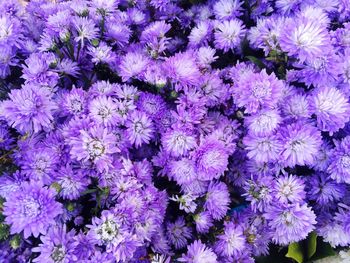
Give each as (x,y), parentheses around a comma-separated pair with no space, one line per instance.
(266,33)
(103,111)
(117,32)
(211,158)
(214,90)
(40,164)
(217,200)
(178,142)
(304,38)
(95,145)
(227,9)
(31,210)
(72,182)
(154,38)
(74,102)
(263,149)
(290,223)
(36,69)
(83,246)
(152,105)
(259,192)
(301,143)
(133,65)
(289,188)
(331,107)
(203,222)
(183,171)
(339,167)
(29,109)
(57,246)
(178,233)
(197,252)
(68,67)
(140,128)
(323,159)
(232,242)
(7,59)
(323,190)
(296,106)
(85,29)
(256,90)
(105,230)
(101,54)
(229,34)
(201,34)
(264,122)
(182,70)
(206,56)
(10,184)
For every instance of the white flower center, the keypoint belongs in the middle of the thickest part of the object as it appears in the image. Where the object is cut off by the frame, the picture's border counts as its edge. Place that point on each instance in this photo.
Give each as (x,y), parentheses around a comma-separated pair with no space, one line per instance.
(95,148)
(31,208)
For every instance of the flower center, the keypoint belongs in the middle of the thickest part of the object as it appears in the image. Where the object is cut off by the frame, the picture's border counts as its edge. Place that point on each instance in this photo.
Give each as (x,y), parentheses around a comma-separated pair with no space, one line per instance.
(96,148)
(345,161)
(31,208)
(138,127)
(58,254)
(261,90)
(108,231)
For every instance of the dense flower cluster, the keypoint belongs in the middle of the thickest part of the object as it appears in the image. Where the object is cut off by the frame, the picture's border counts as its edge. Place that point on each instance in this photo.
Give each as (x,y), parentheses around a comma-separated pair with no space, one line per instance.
(172,131)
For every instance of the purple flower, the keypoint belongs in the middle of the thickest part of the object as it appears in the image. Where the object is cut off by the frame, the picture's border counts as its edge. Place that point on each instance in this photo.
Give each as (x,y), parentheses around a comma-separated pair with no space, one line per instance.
(232,242)
(263,149)
(229,34)
(133,65)
(102,54)
(304,38)
(256,90)
(289,188)
(178,233)
(29,109)
(31,210)
(201,34)
(182,70)
(331,107)
(217,200)
(57,246)
(211,158)
(178,142)
(198,253)
(152,105)
(203,222)
(140,128)
(323,190)
(72,182)
(339,168)
(290,223)
(264,122)
(183,171)
(95,145)
(85,29)
(301,143)
(259,192)
(226,9)
(74,102)
(103,111)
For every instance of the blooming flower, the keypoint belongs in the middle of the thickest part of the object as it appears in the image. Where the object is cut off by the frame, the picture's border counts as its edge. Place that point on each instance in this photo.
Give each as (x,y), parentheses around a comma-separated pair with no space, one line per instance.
(95,145)
(228,34)
(331,107)
(32,210)
(199,253)
(256,90)
(140,128)
(289,188)
(29,109)
(217,200)
(290,223)
(178,233)
(232,242)
(178,142)
(339,167)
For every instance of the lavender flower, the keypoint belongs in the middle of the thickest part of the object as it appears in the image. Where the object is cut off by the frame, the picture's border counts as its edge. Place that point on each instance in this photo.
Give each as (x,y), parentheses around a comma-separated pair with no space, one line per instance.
(178,233)
(29,109)
(32,210)
(228,34)
(339,167)
(217,200)
(198,252)
(140,128)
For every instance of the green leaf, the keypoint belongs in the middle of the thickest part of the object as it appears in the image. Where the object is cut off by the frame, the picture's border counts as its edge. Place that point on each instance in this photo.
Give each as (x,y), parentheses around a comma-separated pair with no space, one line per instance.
(256,61)
(295,251)
(15,242)
(311,244)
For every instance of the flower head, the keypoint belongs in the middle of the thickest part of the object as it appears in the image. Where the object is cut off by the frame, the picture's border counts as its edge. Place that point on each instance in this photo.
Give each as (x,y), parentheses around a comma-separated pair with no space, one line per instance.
(199,253)
(140,128)
(217,200)
(232,242)
(32,210)
(229,34)
(29,109)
